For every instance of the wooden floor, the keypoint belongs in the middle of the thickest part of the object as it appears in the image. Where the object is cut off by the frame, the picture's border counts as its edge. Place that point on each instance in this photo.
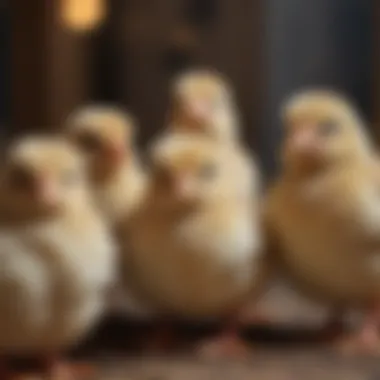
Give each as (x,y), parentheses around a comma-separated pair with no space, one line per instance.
(266,365)
(277,355)
(117,351)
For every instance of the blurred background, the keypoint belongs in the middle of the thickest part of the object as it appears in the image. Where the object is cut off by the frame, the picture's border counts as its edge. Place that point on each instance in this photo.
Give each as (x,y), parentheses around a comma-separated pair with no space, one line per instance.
(59,54)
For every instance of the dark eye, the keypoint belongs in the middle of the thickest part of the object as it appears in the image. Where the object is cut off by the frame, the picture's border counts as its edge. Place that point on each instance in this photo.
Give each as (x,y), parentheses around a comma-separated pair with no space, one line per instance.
(328,128)
(208,171)
(89,143)
(20,178)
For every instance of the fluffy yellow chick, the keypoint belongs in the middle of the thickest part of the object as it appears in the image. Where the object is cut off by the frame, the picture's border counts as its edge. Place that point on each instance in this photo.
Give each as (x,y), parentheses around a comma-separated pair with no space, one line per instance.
(324,209)
(106,136)
(196,241)
(203,102)
(56,257)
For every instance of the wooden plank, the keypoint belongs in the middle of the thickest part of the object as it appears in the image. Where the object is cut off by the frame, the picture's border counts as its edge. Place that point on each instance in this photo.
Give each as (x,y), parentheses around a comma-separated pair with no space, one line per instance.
(232,43)
(49,71)
(235,46)
(375,91)
(4,65)
(144,31)
(29,63)
(280,365)
(107,63)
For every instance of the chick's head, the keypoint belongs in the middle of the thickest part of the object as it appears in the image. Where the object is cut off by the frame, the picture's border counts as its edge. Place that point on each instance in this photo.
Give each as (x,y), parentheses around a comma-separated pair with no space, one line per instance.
(189,170)
(42,176)
(104,134)
(203,102)
(322,128)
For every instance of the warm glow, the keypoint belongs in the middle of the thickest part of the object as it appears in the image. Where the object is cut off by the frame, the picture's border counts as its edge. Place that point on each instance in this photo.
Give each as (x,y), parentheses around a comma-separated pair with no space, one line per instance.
(83,15)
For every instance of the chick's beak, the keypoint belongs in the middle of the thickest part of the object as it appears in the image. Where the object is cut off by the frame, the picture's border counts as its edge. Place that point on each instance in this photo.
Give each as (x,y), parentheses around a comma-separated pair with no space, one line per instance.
(115,153)
(183,187)
(199,109)
(304,141)
(46,191)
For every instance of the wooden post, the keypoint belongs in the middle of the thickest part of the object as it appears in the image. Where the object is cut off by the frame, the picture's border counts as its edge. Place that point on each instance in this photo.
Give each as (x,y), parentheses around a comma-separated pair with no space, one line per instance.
(376,70)
(224,34)
(50,74)
(235,45)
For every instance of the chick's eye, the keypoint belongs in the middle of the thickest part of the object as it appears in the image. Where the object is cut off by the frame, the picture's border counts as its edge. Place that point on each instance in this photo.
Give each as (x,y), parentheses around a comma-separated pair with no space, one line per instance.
(208,171)
(328,128)
(89,143)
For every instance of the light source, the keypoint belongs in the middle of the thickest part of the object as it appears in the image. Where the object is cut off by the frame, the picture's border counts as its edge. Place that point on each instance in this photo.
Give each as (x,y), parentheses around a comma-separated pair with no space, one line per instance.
(82,15)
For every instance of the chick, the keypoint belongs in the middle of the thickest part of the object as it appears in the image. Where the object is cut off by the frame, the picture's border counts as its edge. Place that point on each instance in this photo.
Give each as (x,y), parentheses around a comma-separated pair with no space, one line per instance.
(196,240)
(56,256)
(118,180)
(106,136)
(203,102)
(324,209)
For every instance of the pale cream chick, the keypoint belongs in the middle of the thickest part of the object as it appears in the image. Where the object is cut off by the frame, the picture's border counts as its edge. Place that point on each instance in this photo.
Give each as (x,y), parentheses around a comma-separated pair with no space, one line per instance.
(56,256)
(197,245)
(106,135)
(203,102)
(324,209)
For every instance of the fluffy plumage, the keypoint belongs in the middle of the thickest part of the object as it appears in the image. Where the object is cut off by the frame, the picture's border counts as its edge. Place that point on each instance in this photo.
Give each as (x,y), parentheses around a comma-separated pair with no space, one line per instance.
(203,102)
(56,257)
(324,209)
(106,135)
(196,240)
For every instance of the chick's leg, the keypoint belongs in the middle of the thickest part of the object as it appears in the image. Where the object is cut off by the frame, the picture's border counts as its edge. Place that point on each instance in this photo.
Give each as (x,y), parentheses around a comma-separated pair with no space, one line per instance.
(55,368)
(227,344)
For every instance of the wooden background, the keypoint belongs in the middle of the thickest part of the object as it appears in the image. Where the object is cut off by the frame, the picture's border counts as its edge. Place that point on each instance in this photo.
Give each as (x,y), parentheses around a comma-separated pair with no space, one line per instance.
(131,58)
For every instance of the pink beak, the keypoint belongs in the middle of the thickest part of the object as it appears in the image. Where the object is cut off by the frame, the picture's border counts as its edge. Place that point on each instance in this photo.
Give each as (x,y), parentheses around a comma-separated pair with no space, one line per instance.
(183,187)
(115,153)
(304,141)
(47,191)
(199,109)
